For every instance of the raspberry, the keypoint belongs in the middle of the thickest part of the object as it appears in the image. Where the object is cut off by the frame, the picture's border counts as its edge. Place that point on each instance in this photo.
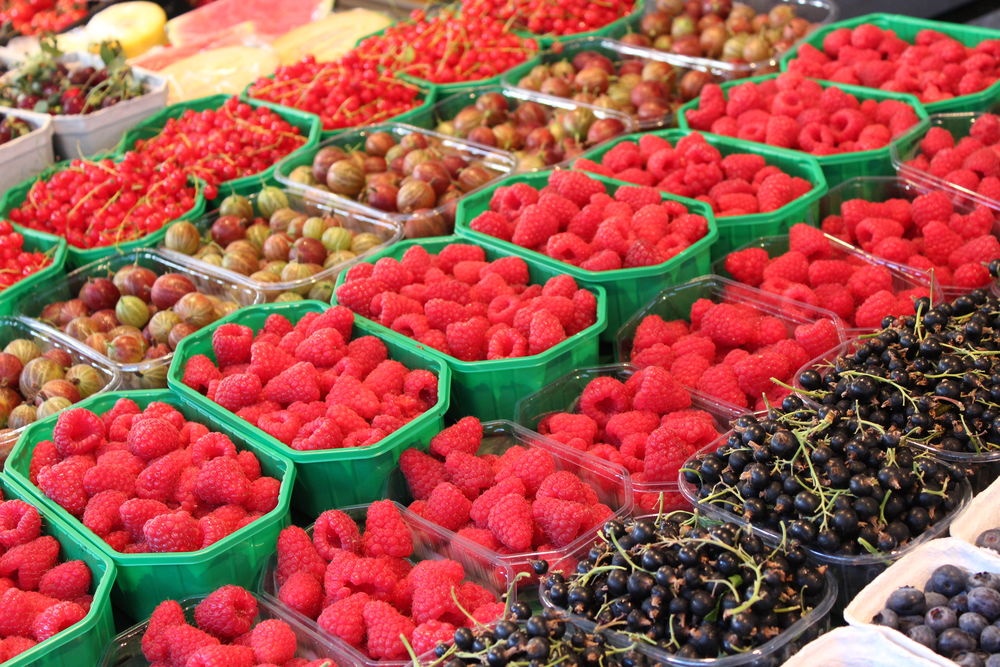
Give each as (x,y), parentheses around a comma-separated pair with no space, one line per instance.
(55,619)
(427,635)
(603,397)
(357,294)
(77,431)
(565,485)
(267,360)
(216,655)
(63,483)
(297,553)
(273,641)
(69,580)
(386,631)
(545,331)
(227,612)
(164,615)
(729,325)
(302,592)
(720,381)
(742,165)
(658,391)
(975,251)
(665,454)
(27,563)
(448,506)
(939,242)
(432,582)
(561,521)
(754,372)
(869,313)
(506,343)
(172,532)
(300,382)
(467,340)
(323,433)
(18,609)
(344,619)
(791,266)
(231,344)
(135,512)
(152,437)
(493,224)
(575,185)
(470,473)
(183,641)
(775,191)
(747,265)
(533,226)
(386,533)
(322,348)
(464,435)
(971,276)
(237,391)
(421,472)
(19,523)
(102,514)
(510,521)
(622,156)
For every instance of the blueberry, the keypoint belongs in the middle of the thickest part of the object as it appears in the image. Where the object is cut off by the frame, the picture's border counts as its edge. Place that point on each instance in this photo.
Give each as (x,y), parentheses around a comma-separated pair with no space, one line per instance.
(907,600)
(923,635)
(939,619)
(989,539)
(988,579)
(953,641)
(989,639)
(972,623)
(935,599)
(968,659)
(992,661)
(886,617)
(985,601)
(948,580)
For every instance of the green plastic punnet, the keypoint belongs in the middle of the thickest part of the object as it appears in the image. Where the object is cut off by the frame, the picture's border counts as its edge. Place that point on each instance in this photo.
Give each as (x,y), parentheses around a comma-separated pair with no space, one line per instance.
(489,389)
(619,25)
(325,478)
(736,230)
(83,642)
(841,166)
(35,241)
(306,123)
(626,289)
(146,579)
(907,27)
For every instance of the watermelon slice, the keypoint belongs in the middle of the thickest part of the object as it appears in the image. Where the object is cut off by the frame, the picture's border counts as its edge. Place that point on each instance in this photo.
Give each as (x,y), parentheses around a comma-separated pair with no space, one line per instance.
(270,18)
(241,34)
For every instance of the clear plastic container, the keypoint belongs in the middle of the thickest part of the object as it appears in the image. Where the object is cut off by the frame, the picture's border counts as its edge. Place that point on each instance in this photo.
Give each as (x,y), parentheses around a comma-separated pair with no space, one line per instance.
(978,516)
(430,542)
(497,163)
(817,12)
(28,155)
(148,373)
(563,395)
(610,481)
(914,569)
(312,204)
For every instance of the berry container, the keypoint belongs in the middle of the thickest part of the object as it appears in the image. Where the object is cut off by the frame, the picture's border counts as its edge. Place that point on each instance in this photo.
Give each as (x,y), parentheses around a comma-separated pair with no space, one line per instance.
(901,186)
(563,395)
(840,166)
(77,256)
(551,41)
(307,124)
(627,289)
(386,231)
(438,117)
(772,653)
(498,163)
(325,477)
(736,230)
(54,247)
(26,156)
(915,569)
(609,480)
(82,642)
(430,542)
(617,52)
(907,28)
(674,303)
(979,516)
(903,277)
(855,646)
(146,579)
(148,373)
(13,327)
(489,388)
(125,649)
(817,12)
(81,135)
(959,125)
(852,573)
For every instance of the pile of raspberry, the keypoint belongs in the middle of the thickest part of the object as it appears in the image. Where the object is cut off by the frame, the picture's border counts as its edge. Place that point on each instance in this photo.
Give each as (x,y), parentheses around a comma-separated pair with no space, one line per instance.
(925,233)
(732,345)
(150,481)
(310,385)
(466,306)
(819,272)
(790,111)
(971,162)
(645,423)
(371,589)
(734,184)
(230,627)
(522,499)
(934,67)
(573,219)
(42,593)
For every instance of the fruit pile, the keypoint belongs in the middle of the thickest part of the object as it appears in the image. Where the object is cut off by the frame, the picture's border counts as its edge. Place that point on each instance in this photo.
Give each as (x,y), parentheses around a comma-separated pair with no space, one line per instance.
(228,626)
(537,134)
(733,184)
(646,423)
(44,593)
(12,127)
(656,581)
(731,345)
(648,90)
(45,84)
(466,306)
(791,111)
(934,66)
(546,18)
(266,239)
(27,17)
(371,588)
(448,46)
(122,200)
(218,145)
(412,172)
(832,480)
(817,271)
(573,219)
(511,498)
(16,263)
(148,480)
(136,314)
(35,383)
(969,162)
(312,384)
(955,615)
(733,32)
